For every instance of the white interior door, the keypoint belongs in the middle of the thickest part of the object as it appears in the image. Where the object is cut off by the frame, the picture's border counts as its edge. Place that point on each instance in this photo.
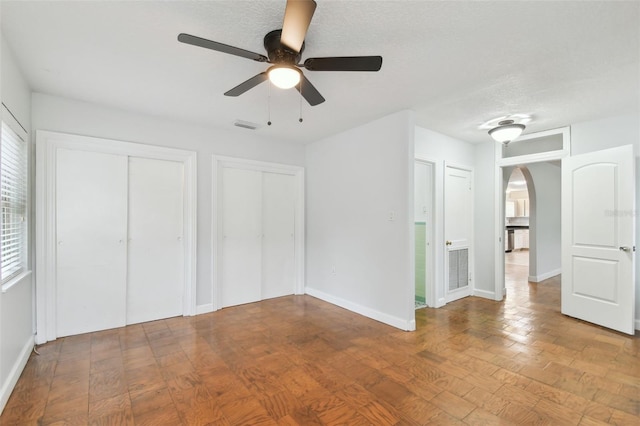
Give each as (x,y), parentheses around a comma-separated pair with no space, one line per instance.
(241,245)
(278,229)
(91,229)
(598,238)
(155,256)
(458,216)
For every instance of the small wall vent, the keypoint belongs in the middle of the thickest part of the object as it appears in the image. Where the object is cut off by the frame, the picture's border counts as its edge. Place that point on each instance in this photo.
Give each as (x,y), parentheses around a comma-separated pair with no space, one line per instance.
(246,124)
(458,269)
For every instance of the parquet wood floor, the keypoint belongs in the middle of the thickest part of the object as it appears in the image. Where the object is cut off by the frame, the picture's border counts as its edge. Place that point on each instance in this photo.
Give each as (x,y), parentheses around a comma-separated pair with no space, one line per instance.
(298,360)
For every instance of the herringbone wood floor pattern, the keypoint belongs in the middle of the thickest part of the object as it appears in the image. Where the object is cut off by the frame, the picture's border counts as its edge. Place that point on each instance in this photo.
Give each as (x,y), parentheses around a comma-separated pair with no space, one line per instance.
(298,360)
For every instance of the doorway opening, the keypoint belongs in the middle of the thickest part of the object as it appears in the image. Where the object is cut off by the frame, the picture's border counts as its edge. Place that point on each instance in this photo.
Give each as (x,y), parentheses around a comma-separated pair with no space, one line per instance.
(538,157)
(423,227)
(518,200)
(532,251)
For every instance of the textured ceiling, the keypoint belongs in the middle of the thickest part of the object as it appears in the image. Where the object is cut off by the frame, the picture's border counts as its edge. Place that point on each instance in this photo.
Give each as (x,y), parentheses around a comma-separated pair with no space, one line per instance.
(456,63)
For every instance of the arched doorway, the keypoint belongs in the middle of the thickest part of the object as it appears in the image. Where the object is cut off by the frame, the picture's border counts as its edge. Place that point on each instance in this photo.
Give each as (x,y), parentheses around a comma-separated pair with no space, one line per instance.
(519,205)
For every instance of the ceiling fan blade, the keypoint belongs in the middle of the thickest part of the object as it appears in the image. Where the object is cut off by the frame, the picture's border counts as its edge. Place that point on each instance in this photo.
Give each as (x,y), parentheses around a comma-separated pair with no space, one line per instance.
(309,92)
(249,84)
(220,47)
(344,63)
(297,17)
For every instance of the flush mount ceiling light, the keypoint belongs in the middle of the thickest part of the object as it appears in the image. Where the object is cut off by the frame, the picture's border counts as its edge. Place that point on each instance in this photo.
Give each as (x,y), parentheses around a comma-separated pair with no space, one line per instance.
(517,118)
(284,76)
(506,131)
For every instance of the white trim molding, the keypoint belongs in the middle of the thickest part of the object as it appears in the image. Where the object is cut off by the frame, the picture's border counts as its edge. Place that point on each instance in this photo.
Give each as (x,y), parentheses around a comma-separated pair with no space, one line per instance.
(434,268)
(499,191)
(220,162)
(204,309)
(47,145)
(363,310)
(14,373)
(545,276)
(565,151)
(484,294)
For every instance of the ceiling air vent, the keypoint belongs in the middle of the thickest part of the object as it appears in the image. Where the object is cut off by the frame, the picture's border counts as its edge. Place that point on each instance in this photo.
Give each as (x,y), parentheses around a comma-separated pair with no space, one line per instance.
(246,124)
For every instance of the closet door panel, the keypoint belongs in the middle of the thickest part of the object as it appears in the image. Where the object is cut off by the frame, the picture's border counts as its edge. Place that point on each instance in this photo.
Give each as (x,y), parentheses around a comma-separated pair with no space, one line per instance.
(278,220)
(241,237)
(155,256)
(91,255)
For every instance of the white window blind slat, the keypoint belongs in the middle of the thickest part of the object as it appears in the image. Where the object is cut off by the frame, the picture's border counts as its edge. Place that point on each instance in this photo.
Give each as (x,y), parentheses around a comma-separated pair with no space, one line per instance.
(13,204)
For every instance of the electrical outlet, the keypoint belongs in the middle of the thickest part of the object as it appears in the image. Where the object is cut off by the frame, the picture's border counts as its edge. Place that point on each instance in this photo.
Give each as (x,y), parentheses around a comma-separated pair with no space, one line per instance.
(392,215)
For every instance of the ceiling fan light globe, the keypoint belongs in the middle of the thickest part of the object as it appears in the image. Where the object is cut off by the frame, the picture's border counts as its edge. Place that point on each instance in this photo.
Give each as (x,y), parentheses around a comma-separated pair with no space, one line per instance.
(506,133)
(284,77)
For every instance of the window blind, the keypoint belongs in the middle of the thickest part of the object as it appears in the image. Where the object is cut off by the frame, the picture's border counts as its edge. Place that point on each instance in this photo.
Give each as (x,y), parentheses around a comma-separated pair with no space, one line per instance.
(13,200)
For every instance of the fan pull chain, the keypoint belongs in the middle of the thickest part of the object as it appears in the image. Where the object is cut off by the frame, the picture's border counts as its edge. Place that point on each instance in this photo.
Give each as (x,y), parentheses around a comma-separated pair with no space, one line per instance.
(269,105)
(300,119)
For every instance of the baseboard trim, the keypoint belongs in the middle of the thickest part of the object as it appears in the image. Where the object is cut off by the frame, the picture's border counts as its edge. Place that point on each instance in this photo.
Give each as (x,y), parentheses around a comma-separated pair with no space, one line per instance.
(485,294)
(14,374)
(638,324)
(204,309)
(363,310)
(545,276)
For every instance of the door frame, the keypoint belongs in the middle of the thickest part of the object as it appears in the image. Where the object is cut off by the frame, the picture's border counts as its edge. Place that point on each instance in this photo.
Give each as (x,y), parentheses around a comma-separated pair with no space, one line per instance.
(47,144)
(218,163)
(499,191)
(431,298)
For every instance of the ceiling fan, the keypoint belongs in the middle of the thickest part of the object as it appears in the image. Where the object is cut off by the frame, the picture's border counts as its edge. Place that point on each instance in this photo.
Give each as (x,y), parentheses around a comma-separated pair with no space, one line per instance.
(284,49)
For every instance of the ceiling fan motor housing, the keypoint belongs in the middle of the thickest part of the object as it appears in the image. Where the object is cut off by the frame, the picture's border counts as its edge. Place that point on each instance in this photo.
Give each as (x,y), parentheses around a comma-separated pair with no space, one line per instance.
(284,54)
(279,53)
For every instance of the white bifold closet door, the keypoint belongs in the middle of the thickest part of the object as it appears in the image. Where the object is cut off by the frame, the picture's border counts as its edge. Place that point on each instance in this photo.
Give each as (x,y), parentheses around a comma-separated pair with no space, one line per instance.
(155,279)
(278,219)
(91,231)
(257,247)
(241,236)
(119,224)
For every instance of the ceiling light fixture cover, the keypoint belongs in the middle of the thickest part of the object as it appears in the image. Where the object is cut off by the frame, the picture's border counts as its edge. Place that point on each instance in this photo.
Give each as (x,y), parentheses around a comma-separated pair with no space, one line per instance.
(506,131)
(284,77)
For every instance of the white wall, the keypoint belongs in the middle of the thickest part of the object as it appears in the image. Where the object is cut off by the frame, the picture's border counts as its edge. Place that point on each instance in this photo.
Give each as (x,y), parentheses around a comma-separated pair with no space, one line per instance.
(436,146)
(544,222)
(70,116)
(608,133)
(16,93)
(484,216)
(355,181)
(16,304)
(441,149)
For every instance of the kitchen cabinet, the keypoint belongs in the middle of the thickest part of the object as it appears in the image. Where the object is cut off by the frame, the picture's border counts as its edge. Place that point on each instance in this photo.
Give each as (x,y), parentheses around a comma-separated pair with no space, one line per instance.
(521,239)
(517,208)
(522,207)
